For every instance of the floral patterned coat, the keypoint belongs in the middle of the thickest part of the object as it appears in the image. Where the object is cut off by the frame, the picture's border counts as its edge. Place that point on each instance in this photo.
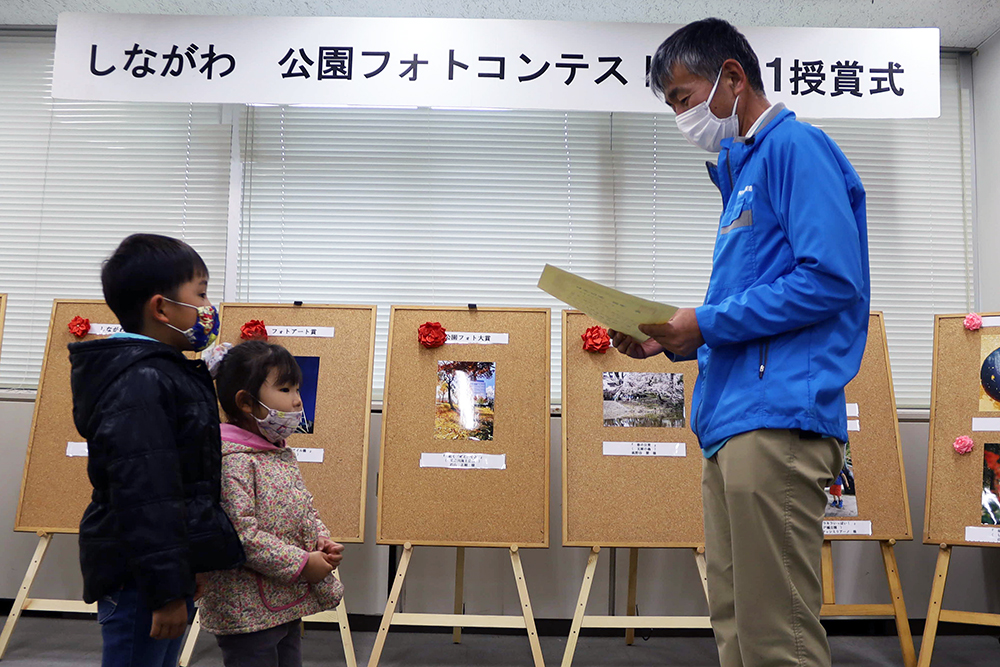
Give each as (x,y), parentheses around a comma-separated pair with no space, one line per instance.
(267,501)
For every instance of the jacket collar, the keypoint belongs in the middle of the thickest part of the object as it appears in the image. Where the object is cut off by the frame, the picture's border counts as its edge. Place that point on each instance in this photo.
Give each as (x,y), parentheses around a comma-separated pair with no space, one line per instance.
(239,436)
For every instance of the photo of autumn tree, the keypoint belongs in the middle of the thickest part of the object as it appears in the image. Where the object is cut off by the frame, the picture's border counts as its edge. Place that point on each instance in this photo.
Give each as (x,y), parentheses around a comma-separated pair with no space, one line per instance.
(644,399)
(464,400)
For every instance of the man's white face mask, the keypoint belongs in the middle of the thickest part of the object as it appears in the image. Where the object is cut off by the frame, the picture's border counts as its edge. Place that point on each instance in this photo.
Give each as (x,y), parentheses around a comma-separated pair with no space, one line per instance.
(703,129)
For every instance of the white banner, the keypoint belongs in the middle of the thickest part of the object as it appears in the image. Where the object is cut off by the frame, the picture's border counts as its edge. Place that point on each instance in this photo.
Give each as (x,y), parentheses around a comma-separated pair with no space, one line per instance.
(471,63)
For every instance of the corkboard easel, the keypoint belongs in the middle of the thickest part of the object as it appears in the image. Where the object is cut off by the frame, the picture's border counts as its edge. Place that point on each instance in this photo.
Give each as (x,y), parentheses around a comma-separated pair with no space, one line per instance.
(55,489)
(596,488)
(877,457)
(342,418)
(955,481)
(599,490)
(465,508)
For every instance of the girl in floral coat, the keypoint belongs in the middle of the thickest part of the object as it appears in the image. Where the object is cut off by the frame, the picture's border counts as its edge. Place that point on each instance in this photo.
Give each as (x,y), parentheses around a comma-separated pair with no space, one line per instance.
(255,611)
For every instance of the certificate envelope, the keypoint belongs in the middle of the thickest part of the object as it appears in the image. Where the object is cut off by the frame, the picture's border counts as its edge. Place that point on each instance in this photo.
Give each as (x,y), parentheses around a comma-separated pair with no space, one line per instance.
(612,308)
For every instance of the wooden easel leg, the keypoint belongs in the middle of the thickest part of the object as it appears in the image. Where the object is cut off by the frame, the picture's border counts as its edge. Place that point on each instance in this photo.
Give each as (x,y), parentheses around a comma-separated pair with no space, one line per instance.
(826,567)
(456,633)
(529,618)
(390,605)
(191,640)
(699,559)
(633,571)
(22,593)
(898,604)
(934,608)
(345,630)
(581,607)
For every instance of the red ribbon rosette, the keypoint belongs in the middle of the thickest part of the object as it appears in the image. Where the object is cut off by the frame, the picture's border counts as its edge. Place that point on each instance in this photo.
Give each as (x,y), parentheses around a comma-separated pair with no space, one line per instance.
(254,330)
(79,326)
(431,334)
(595,339)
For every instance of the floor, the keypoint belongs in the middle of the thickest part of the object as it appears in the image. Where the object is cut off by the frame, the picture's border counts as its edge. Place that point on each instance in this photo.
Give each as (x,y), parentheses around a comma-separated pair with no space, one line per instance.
(53,642)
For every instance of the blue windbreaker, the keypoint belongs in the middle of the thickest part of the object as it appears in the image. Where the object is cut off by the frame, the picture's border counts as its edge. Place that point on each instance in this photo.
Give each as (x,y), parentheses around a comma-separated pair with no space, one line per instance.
(785,318)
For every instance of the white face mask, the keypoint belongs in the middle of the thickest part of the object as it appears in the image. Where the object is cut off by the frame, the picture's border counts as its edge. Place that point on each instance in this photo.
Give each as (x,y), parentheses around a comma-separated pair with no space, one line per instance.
(278,425)
(704,129)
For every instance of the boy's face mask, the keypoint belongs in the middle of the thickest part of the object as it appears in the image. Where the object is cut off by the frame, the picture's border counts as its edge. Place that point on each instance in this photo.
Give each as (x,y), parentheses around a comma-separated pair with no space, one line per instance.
(205,330)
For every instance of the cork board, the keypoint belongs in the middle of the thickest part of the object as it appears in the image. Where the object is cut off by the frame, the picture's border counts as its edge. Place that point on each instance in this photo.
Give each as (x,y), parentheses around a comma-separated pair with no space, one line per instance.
(55,489)
(955,481)
(343,384)
(661,496)
(876,449)
(624,501)
(466,507)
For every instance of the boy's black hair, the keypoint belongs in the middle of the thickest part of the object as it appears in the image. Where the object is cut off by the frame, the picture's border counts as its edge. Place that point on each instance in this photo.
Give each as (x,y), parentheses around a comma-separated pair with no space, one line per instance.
(246,367)
(142,266)
(701,47)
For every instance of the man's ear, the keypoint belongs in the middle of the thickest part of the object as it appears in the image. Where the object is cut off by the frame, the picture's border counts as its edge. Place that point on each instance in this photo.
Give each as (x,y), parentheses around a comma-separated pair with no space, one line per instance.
(735,77)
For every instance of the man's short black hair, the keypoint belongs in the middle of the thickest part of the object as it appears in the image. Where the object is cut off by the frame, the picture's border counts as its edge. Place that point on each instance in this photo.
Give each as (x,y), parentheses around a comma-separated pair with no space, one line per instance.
(142,266)
(701,47)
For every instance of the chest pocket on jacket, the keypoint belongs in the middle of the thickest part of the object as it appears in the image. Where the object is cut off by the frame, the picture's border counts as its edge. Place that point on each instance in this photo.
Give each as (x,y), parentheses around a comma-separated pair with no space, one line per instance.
(735,257)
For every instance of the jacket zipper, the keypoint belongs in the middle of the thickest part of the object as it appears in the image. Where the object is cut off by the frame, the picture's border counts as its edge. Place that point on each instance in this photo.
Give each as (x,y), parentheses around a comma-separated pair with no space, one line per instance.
(729,168)
(765,347)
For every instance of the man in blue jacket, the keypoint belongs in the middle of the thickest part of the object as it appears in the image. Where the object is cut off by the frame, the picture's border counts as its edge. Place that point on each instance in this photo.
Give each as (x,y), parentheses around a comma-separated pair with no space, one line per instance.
(782,331)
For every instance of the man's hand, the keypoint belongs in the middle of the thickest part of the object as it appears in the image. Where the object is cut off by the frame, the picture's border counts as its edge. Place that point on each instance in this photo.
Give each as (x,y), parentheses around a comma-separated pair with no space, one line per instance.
(317,568)
(332,551)
(633,348)
(170,620)
(681,335)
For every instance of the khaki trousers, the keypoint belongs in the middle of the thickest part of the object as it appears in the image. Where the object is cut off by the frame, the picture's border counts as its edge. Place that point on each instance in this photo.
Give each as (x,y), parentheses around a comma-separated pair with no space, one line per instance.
(764,504)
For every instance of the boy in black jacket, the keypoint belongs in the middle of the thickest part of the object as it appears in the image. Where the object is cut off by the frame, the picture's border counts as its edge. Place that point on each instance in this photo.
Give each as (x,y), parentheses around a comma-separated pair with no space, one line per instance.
(151,421)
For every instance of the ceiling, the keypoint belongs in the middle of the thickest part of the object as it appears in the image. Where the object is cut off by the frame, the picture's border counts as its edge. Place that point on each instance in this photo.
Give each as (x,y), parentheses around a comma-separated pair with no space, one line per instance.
(963,23)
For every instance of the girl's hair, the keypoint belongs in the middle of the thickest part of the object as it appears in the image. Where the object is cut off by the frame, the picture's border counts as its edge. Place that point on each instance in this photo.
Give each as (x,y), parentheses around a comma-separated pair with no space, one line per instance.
(246,367)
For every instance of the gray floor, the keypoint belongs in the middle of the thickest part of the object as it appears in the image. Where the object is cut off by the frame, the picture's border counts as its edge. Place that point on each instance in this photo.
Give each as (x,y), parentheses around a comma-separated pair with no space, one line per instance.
(51,642)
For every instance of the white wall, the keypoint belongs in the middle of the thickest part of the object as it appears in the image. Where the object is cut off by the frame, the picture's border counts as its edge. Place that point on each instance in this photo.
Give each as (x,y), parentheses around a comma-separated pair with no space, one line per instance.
(669,582)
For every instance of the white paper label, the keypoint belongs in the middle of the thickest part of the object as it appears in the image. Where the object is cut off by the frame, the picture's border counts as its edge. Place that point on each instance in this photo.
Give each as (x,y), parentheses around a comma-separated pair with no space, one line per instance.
(308,454)
(991,321)
(847,527)
(852,410)
(853,425)
(76,449)
(475,338)
(986,423)
(463,461)
(104,329)
(299,332)
(982,533)
(615,448)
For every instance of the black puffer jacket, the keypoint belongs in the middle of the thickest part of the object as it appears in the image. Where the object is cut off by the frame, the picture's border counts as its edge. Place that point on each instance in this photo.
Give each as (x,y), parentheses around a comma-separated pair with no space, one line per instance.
(151,421)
